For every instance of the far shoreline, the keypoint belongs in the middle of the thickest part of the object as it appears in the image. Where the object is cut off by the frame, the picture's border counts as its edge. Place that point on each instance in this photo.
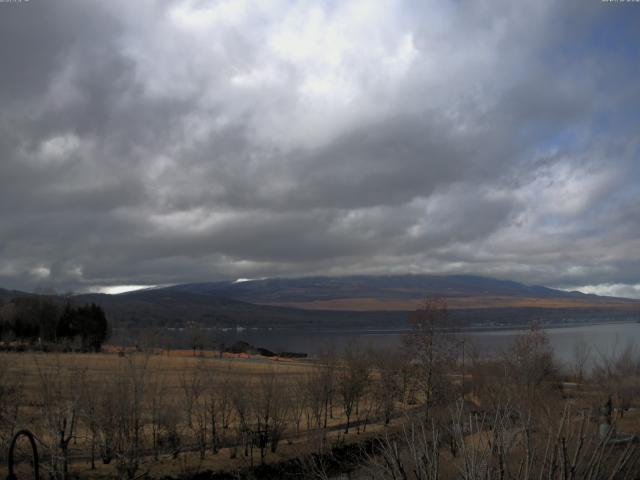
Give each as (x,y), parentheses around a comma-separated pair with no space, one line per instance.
(377,330)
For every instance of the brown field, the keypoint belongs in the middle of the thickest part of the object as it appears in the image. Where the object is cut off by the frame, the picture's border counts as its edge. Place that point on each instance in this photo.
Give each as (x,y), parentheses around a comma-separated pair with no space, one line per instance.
(172,366)
(376,304)
(176,391)
(72,373)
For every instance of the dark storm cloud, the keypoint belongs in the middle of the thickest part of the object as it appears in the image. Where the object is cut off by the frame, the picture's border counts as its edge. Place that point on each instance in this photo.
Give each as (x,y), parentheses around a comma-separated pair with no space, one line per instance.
(160,142)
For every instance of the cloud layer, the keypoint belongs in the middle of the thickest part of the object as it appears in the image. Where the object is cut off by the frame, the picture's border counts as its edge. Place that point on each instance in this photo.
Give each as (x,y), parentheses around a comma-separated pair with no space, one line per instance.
(156,142)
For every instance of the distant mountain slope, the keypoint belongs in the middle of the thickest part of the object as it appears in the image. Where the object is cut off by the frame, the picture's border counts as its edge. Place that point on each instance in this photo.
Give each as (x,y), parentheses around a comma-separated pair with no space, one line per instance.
(395,292)
(351,302)
(173,307)
(6,295)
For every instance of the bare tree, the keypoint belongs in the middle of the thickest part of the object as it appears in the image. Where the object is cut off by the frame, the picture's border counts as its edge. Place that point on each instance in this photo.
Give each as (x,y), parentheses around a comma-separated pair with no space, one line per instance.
(130,388)
(106,419)
(60,399)
(386,388)
(433,345)
(261,414)
(193,383)
(353,380)
(524,375)
(495,446)
(269,411)
(156,405)
(581,356)
(220,407)
(298,401)
(531,369)
(627,378)
(315,392)
(327,383)
(320,390)
(89,406)
(490,381)
(618,376)
(10,392)
(240,397)
(196,338)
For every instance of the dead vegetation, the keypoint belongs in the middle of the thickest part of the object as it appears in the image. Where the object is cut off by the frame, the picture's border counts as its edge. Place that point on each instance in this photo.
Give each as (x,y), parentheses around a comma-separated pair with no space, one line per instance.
(423,413)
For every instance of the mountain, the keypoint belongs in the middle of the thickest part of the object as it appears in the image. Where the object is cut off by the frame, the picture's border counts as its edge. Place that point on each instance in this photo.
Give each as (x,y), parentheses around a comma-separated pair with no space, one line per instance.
(174,307)
(397,293)
(351,302)
(356,301)
(6,295)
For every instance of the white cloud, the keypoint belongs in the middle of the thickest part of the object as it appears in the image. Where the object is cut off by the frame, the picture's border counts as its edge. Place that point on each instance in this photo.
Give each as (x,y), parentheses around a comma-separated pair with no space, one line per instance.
(117,289)
(610,290)
(40,273)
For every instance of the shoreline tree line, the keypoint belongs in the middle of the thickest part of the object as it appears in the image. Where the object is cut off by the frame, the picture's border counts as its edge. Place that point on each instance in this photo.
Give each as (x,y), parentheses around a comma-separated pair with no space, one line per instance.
(44,321)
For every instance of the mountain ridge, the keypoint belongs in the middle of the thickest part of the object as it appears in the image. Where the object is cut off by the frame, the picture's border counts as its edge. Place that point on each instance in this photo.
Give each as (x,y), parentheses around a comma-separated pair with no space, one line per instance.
(351,301)
(308,289)
(387,300)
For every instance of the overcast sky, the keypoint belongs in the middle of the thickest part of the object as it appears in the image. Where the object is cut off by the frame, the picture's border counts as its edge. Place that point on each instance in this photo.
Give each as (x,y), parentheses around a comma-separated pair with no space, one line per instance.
(156,142)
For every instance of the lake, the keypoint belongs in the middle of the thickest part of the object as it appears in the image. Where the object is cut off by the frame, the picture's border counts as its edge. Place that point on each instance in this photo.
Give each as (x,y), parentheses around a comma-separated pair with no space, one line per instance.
(603,339)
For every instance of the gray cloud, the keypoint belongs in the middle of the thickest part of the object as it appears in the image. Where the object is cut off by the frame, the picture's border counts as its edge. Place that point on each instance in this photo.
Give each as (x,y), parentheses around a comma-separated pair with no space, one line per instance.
(159,142)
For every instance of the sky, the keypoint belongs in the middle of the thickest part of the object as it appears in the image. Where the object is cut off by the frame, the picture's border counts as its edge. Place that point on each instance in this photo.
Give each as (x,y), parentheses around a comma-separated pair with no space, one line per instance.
(159,142)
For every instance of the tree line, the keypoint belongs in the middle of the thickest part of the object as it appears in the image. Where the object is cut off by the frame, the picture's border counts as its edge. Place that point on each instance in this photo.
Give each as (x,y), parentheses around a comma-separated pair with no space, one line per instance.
(45,320)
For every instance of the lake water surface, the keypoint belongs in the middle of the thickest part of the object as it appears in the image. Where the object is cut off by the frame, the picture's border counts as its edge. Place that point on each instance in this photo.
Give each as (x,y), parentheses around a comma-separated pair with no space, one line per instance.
(603,339)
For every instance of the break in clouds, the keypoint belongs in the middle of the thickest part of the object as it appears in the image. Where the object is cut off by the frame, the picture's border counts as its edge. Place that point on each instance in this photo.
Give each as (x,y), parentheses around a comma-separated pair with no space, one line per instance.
(154,142)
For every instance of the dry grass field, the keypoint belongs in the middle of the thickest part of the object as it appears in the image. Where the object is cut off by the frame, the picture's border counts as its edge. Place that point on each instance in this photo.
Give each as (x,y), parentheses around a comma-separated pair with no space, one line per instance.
(175,394)
(173,414)
(171,366)
(465,302)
